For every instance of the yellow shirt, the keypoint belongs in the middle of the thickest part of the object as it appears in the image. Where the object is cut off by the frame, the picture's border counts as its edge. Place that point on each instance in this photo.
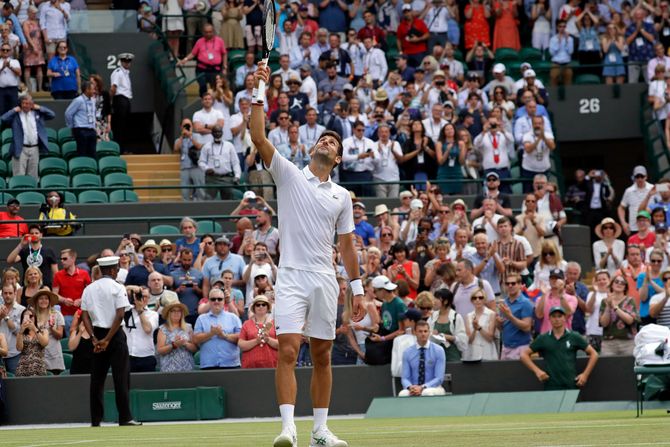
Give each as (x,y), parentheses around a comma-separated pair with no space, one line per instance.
(58,214)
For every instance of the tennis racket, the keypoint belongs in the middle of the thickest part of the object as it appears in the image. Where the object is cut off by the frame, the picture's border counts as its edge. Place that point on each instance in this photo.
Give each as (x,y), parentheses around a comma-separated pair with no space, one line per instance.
(268,39)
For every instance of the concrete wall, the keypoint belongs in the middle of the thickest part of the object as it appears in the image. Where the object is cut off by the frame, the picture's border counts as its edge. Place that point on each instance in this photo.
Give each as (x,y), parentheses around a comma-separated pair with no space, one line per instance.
(250,393)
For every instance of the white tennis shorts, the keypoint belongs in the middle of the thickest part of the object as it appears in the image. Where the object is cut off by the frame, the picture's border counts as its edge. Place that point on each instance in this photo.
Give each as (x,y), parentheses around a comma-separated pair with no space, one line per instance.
(305,303)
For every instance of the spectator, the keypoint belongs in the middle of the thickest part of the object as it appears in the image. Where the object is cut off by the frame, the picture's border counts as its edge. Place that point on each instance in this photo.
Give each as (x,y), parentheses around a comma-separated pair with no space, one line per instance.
(550,259)
(190,172)
(489,219)
(561,47)
(601,286)
(476,27)
(531,225)
(484,260)
(159,296)
(609,250)
(613,46)
(58,220)
(329,93)
(224,260)
(495,145)
(418,161)
(103,109)
(206,250)
(515,320)
(49,321)
(121,93)
(32,283)
(618,318)
(258,339)
(33,53)
(10,76)
(138,275)
(64,73)
(188,284)
(12,213)
(216,333)
(401,267)
(393,321)
(220,164)
(140,323)
(649,283)
(10,324)
(631,268)
(253,12)
(506,31)
(554,296)
(540,16)
(231,29)
(465,285)
(480,326)
(640,37)
(31,342)
(658,304)
(447,327)
(413,36)
(173,23)
(29,135)
(80,116)
(631,200)
(588,51)
(54,18)
(423,366)
(450,159)
(559,348)
(174,344)
(538,144)
(68,285)
(333,16)
(80,344)
(210,53)
(8,17)
(31,253)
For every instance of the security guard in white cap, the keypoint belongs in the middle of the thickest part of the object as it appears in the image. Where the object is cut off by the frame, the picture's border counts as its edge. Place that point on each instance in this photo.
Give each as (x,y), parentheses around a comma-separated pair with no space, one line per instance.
(103,304)
(121,92)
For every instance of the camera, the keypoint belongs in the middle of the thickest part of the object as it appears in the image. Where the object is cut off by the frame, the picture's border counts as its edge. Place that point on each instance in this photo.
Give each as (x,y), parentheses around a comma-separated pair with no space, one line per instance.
(494,125)
(187,284)
(368,151)
(440,83)
(134,296)
(187,126)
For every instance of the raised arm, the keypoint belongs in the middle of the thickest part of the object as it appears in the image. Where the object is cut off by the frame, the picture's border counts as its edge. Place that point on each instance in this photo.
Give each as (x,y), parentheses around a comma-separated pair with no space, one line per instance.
(257,121)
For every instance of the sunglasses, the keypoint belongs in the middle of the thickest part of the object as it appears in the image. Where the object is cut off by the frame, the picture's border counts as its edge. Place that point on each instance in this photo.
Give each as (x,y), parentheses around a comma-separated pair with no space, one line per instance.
(492,179)
(124,254)
(209,243)
(5,49)
(444,211)
(261,305)
(640,176)
(531,201)
(548,253)
(386,234)
(424,230)
(608,228)
(282,118)
(656,261)
(478,297)
(426,308)
(511,283)
(64,259)
(216,299)
(620,281)
(166,249)
(666,279)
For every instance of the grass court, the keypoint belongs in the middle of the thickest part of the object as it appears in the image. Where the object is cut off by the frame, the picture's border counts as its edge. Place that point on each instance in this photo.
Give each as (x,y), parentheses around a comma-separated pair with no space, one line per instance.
(619,428)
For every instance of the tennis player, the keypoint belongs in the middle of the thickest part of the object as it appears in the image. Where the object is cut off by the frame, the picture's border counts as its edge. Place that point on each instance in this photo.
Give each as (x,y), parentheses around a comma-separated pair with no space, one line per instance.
(311,209)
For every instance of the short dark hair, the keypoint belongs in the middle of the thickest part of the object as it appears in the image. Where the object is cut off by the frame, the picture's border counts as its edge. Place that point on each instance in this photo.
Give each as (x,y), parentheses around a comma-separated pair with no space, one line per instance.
(186,251)
(445,296)
(35,226)
(333,134)
(421,323)
(503,220)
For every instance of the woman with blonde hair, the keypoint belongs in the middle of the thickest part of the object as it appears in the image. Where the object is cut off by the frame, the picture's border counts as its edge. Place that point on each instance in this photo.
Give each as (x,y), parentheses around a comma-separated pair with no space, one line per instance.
(425,302)
(174,343)
(550,258)
(30,342)
(480,326)
(363,318)
(32,283)
(51,322)
(12,277)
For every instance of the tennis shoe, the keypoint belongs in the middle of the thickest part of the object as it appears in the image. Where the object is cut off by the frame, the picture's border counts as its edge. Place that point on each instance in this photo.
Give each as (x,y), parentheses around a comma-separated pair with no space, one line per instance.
(323,437)
(287,438)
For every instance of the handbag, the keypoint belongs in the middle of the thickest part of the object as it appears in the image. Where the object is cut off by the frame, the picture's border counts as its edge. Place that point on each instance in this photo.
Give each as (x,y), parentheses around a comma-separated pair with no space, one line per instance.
(378,353)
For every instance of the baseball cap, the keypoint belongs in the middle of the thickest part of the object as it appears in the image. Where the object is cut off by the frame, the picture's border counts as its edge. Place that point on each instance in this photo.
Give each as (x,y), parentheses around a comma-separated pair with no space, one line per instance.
(472,76)
(416,204)
(306,67)
(448,104)
(498,68)
(525,65)
(413,314)
(406,7)
(556,273)
(530,73)
(639,170)
(556,309)
(359,204)
(348,86)
(644,213)
(303,8)
(249,195)
(493,174)
(382,282)
(222,240)
(478,229)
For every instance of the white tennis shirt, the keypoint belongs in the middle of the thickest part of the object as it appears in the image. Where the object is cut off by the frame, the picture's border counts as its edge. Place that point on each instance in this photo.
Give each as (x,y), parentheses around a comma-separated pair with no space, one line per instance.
(310,213)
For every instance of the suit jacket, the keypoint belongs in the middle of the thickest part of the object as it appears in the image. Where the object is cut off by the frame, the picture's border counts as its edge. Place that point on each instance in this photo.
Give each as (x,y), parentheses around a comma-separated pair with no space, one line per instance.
(12,118)
(605,194)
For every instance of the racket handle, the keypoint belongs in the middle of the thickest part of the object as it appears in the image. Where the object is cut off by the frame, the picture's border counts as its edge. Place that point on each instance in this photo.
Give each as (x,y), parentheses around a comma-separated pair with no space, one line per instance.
(260,95)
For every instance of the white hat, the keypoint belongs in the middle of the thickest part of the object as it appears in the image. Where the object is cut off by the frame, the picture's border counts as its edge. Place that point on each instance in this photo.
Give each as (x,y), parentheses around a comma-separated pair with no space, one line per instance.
(439,73)
(499,68)
(382,282)
(108,261)
(359,204)
(416,204)
(405,194)
(249,195)
(126,56)
(526,65)
(348,86)
(406,7)
(150,244)
(381,209)
(639,170)
(530,73)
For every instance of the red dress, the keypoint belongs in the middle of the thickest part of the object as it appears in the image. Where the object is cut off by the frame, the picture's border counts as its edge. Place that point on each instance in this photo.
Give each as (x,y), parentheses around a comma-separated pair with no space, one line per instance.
(407,266)
(477,28)
(260,356)
(506,33)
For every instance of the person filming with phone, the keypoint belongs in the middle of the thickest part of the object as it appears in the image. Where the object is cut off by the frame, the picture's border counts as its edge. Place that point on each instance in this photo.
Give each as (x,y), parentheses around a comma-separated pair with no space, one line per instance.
(261,261)
(189,171)
(495,144)
(31,253)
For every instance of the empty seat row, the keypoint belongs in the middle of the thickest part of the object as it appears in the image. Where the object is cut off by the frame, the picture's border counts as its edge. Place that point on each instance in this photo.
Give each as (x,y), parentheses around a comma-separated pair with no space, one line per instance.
(89,196)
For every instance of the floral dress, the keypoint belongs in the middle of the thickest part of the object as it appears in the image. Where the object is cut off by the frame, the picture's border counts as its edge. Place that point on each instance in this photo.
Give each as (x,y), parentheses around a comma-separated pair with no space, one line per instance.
(180,359)
(31,362)
(477,27)
(33,57)
(618,329)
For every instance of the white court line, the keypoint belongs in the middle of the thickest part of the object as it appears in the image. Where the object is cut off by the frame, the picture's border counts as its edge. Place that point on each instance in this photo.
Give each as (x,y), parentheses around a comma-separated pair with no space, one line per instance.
(85,441)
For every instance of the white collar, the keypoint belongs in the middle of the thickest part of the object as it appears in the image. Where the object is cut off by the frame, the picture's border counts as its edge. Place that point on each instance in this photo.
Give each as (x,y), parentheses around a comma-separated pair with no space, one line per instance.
(426,346)
(309,175)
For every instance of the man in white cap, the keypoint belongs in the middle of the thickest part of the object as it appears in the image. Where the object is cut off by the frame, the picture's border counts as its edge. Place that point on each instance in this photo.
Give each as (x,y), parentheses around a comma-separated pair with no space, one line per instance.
(632,197)
(501,79)
(313,209)
(103,304)
(121,91)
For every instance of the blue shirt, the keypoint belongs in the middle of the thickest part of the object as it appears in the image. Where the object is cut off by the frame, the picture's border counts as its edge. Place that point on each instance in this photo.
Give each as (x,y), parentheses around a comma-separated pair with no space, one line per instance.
(489,272)
(81,113)
(333,18)
(67,69)
(139,275)
(194,247)
(644,305)
(214,266)
(364,230)
(435,363)
(578,318)
(512,336)
(188,296)
(217,352)
(640,49)
(561,51)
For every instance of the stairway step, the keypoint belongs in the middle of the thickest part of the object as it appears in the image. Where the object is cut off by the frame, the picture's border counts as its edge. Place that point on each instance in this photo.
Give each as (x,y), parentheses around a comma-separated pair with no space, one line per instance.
(155,170)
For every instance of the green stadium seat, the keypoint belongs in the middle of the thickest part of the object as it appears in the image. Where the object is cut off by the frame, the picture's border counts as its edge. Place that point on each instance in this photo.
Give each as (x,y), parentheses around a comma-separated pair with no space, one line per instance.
(54,150)
(107,165)
(52,166)
(107,149)
(52,136)
(68,150)
(5,152)
(506,54)
(55,181)
(4,197)
(30,198)
(209,226)
(587,79)
(7,136)
(123,196)
(3,168)
(64,135)
(22,182)
(64,345)
(70,197)
(458,55)
(196,358)
(85,180)
(118,179)
(3,183)
(67,359)
(164,229)
(83,165)
(93,196)
(530,54)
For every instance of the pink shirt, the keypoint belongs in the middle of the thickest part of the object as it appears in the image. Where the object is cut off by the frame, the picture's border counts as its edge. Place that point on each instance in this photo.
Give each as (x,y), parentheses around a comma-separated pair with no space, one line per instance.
(553,301)
(209,52)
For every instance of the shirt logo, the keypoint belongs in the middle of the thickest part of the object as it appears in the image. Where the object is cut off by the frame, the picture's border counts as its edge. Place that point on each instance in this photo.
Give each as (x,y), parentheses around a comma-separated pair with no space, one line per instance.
(567,344)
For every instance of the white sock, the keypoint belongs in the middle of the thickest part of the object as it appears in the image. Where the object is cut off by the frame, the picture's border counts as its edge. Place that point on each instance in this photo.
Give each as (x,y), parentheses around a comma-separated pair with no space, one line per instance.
(320,417)
(286,411)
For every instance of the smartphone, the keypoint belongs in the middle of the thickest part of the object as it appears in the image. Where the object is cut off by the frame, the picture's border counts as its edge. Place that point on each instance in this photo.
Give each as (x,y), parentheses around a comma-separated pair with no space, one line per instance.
(126,236)
(663,187)
(247,234)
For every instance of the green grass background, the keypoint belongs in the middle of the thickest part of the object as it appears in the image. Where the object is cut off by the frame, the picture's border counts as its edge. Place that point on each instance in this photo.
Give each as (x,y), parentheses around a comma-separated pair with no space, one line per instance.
(573,429)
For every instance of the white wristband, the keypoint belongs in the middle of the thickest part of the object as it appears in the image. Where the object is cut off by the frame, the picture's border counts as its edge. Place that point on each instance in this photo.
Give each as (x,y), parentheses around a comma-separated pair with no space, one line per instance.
(356,287)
